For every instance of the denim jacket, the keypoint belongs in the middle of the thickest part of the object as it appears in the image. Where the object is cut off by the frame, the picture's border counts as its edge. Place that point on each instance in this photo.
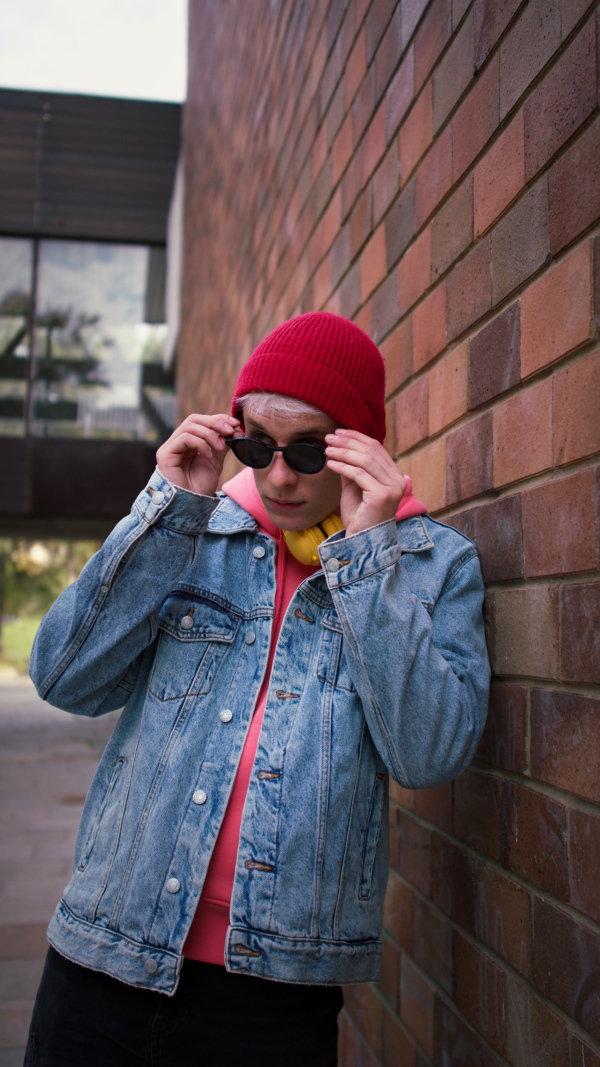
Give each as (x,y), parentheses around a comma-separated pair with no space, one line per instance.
(380,668)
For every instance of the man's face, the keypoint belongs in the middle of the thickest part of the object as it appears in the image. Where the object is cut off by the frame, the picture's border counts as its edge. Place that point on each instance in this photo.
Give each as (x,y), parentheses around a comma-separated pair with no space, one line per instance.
(294,501)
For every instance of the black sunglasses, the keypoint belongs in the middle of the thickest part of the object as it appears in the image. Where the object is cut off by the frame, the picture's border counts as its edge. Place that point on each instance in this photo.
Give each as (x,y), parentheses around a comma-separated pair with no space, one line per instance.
(304,458)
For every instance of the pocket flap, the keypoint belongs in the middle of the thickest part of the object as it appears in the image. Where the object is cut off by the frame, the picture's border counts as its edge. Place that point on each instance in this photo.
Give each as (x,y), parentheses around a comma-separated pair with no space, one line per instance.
(190,618)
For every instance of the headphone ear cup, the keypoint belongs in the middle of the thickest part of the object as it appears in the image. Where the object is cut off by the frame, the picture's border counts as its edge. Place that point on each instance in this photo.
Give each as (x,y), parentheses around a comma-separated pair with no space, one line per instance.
(303,544)
(332,524)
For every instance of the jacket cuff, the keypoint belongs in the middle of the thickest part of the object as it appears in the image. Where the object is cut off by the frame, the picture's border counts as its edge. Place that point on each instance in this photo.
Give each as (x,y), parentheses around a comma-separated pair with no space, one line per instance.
(346,559)
(165,504)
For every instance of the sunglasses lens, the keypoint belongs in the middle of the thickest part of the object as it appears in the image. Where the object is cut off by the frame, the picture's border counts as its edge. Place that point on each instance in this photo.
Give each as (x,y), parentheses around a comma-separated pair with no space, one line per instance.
(252,453)
(307,459)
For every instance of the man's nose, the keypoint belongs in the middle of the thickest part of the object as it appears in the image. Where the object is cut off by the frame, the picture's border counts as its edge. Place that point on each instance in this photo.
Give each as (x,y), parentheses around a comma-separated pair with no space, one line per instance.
(280,474)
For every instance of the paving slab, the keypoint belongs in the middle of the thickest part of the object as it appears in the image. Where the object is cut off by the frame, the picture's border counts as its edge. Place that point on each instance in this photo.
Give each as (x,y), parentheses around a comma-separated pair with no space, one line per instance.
(47,761)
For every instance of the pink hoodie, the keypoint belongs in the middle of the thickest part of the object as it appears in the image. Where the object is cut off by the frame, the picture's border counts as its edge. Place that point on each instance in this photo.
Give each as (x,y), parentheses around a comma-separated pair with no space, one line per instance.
(206,936)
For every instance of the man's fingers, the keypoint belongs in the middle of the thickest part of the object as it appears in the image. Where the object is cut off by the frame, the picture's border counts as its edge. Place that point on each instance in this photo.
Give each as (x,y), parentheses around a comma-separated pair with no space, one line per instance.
(376,461)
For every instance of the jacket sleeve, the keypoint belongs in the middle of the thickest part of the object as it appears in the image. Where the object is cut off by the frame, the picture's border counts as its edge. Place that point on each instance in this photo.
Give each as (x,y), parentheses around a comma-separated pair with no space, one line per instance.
(88,649)
(423,678)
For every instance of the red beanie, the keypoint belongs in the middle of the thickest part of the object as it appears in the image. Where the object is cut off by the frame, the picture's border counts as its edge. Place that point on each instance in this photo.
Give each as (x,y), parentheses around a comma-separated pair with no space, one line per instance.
(326,361)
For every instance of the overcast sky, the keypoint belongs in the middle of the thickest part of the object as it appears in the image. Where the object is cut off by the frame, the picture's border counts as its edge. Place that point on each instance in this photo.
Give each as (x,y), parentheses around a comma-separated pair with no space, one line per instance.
(131,48)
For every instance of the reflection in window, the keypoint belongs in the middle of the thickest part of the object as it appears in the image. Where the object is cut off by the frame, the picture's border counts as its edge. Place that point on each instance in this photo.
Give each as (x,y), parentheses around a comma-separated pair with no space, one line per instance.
(99,340)
(15,295)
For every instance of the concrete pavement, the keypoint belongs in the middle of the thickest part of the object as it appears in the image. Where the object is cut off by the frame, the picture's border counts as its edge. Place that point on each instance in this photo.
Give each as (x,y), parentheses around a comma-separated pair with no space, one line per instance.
(47,760)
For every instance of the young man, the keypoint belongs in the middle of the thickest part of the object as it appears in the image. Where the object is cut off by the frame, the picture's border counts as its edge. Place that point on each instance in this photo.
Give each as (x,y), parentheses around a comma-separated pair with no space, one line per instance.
(279,649)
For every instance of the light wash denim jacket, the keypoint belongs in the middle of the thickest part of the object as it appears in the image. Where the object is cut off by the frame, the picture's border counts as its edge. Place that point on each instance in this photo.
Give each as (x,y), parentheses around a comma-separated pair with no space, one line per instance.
(380,667)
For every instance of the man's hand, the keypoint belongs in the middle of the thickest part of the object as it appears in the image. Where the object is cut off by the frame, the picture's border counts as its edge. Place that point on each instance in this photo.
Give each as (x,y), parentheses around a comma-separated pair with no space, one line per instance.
(372,485)
(193,456)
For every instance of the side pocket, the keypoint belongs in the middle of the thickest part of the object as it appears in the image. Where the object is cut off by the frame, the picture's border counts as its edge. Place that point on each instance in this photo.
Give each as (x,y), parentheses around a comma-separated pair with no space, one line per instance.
(372,837)
(89,845)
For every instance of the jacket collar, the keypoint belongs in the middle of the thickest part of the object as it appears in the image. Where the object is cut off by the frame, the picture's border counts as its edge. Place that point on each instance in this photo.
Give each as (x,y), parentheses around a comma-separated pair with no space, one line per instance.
(228,517)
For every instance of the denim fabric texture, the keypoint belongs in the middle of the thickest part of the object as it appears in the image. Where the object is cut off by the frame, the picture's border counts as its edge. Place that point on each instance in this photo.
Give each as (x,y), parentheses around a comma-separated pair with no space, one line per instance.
(380,668)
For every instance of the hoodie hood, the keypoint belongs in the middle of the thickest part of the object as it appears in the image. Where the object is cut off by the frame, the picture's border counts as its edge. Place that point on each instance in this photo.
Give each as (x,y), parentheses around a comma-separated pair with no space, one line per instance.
(242,489)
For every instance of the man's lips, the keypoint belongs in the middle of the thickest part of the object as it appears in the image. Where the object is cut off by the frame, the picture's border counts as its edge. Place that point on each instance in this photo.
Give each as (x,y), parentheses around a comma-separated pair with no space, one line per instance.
(285,505)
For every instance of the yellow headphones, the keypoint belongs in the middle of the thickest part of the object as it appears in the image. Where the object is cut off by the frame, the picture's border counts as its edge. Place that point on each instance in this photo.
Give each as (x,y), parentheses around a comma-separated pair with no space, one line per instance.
(303,544)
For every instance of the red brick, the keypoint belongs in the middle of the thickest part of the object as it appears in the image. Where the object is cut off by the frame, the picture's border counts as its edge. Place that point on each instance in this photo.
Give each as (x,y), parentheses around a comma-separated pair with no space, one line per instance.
(574,189)
(495,357)
(566,965)
(456,1045)
(397,356)
(398,911)
(534,1033)
(527,48)
(500,175)
(435,805)
(374,144)
(404,798)
(559,522)
(429,327)
(503,917)
(351,181)
(469,460)
(580,633)
(563,101)
(452,228)
(432,35)
(417,1001)
(414,853)
(322,285)
(526,631)
(537,839)
(412,408)
(496,529)
(434,176)
(341,149)
(584,855)
(366,1010)
(414,273)
(476,119)
(452,884)
(363,318)
(372,263)
(356,68)
(576,422)
(350,292)
(361,221)
(427,469)
(390,438)
(377,19)
(556,311)
(416,131)
(469,289)
(448,390)
(477,812)
(582,1055)
(433,943)
(398,1046)
(453,73)
(520,241)
(480,990)
(390,973)
(363,105)
(400,225)
(504,739)
(491,17)
(523,434)
(388,52)
(400,94)
(386,182)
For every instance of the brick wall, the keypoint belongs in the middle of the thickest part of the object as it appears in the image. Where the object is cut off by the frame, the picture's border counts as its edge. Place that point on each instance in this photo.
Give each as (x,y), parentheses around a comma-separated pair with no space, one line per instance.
(432,170)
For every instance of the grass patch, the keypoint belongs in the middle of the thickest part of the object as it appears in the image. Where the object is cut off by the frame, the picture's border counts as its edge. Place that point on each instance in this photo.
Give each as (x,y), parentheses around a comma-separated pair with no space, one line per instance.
(17,639)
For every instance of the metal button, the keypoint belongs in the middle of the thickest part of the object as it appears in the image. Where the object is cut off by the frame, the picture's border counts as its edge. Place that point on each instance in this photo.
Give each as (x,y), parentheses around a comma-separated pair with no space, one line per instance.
(259,552)
(226,715)
(151,966)
(333,564)
(158,497)
(199,797)
(187,622)
(250,637)
(173,885)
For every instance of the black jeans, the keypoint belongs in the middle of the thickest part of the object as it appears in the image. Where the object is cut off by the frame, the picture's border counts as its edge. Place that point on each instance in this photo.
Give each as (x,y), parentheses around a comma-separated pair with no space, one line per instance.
(83,1018)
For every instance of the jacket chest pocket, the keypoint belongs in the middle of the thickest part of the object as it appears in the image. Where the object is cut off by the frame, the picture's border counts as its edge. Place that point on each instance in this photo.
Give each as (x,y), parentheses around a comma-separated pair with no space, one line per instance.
(194,638)
(331,664)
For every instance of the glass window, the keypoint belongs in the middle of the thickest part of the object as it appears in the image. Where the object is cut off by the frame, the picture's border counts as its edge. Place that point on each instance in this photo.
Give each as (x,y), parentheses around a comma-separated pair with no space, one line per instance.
(16,257)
